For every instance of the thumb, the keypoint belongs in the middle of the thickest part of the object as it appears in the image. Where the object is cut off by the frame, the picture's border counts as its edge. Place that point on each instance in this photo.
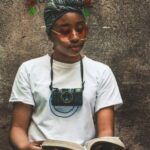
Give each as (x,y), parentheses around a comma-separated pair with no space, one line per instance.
(37,147)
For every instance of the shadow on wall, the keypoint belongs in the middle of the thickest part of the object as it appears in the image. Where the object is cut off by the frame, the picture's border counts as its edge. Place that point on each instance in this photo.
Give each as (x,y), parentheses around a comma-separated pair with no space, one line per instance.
(133,71)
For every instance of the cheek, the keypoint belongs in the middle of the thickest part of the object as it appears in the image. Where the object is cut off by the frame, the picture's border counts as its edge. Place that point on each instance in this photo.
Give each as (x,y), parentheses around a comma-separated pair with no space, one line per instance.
(62,41)
(84,33)
(59,39)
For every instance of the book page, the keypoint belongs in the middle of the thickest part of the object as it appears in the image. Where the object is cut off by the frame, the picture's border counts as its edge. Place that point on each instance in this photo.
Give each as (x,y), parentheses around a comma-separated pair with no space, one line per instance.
(105,143)
(60,145)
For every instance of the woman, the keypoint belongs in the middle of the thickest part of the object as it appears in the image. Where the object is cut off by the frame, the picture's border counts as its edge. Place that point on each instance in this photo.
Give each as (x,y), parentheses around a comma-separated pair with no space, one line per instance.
(56,97)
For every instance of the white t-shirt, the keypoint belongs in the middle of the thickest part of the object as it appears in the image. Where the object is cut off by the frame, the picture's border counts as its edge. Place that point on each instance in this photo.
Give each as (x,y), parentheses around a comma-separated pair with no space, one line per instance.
(31,86)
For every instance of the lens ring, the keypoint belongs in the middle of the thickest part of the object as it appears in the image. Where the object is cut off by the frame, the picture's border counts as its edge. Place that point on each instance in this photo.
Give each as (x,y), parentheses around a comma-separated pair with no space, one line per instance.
(68,94)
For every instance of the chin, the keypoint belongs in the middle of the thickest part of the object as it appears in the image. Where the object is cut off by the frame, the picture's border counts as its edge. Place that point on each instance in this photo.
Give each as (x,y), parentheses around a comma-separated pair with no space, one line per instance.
(74,54)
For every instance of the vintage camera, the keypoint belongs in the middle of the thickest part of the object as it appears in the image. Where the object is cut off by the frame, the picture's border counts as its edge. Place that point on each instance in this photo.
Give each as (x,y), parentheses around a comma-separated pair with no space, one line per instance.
(66,97)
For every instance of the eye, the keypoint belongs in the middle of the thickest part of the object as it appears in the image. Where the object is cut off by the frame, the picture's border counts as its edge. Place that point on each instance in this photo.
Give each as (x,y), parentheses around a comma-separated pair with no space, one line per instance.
(65,31)
(80,28)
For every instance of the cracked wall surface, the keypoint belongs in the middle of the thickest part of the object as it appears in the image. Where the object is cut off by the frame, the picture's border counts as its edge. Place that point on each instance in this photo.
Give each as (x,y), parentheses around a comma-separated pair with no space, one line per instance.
(119,36)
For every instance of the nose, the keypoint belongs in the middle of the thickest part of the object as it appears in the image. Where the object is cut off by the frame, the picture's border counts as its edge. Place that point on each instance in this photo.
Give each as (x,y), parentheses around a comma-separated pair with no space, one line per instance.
(74,38)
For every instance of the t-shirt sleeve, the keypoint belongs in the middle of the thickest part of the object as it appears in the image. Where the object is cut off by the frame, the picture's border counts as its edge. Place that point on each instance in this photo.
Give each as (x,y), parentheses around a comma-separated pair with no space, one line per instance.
(108,93)
(21,90)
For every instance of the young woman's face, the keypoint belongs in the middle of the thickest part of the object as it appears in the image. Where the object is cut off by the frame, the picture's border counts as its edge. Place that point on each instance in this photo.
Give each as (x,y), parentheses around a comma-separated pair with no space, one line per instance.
(68,35)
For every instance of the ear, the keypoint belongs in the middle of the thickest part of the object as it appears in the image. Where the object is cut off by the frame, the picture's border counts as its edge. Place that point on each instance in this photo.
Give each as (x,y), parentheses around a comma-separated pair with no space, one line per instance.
(50,37)
(86,29)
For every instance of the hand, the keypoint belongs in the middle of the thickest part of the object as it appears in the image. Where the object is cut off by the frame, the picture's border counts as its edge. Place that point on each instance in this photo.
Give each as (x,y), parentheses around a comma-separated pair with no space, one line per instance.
(35,145)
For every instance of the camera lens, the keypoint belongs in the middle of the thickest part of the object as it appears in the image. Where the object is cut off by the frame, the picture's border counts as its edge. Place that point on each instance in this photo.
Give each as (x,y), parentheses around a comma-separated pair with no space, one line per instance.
(67,97)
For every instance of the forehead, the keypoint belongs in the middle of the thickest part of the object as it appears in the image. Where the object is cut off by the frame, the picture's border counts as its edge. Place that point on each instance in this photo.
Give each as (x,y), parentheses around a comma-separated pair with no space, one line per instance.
(70,18)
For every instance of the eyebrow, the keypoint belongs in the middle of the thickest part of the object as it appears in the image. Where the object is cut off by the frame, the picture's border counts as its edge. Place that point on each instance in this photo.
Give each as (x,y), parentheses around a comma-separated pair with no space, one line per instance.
(64,25)
(67,24)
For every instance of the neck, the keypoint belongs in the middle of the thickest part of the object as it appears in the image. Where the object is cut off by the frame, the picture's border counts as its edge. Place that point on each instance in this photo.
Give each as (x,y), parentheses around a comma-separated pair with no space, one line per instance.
(65,58)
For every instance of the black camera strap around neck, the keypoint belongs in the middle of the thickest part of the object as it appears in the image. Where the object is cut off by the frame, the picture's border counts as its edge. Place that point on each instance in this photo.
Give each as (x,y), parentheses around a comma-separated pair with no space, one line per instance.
(81,68)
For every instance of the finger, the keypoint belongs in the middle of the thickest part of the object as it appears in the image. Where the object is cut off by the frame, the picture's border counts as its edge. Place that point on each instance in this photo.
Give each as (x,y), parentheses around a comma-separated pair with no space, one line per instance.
(38,142)
(36,148)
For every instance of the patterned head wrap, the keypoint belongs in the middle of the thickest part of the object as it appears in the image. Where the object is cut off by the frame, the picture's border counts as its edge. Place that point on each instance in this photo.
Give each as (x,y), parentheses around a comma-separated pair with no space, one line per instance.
(54,9)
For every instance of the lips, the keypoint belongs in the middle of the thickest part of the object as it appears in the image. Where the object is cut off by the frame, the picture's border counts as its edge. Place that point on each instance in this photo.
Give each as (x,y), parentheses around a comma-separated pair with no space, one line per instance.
(79,45)
(76,47)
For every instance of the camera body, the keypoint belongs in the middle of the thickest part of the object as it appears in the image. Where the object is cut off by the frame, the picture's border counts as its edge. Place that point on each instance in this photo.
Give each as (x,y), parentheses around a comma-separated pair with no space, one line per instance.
(67,97)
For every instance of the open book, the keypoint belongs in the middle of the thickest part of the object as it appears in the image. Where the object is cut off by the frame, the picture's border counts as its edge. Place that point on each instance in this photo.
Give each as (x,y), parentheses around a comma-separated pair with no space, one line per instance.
(103,143)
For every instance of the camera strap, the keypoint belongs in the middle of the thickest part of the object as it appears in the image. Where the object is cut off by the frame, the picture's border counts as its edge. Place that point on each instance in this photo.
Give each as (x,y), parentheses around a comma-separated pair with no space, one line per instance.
(73,110)
(52,76)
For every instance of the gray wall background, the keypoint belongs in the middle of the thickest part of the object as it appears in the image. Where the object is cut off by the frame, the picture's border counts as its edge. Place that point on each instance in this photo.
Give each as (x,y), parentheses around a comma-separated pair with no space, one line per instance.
(119,36)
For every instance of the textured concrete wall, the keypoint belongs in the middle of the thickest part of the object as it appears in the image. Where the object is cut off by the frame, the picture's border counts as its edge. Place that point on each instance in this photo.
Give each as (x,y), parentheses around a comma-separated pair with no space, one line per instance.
(119,36)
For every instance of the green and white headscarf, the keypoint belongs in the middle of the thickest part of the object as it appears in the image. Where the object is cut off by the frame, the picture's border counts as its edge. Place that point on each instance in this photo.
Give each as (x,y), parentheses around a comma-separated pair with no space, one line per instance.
(54,9)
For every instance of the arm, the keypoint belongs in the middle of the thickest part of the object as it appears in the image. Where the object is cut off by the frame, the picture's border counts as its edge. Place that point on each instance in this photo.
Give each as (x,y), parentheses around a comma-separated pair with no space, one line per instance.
(19,127)
(105,122)
(108,96)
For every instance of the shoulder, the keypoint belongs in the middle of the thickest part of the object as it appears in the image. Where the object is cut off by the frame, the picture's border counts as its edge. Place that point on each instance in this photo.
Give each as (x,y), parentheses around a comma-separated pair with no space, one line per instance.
(34,63)
(96,66)
(37,61)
